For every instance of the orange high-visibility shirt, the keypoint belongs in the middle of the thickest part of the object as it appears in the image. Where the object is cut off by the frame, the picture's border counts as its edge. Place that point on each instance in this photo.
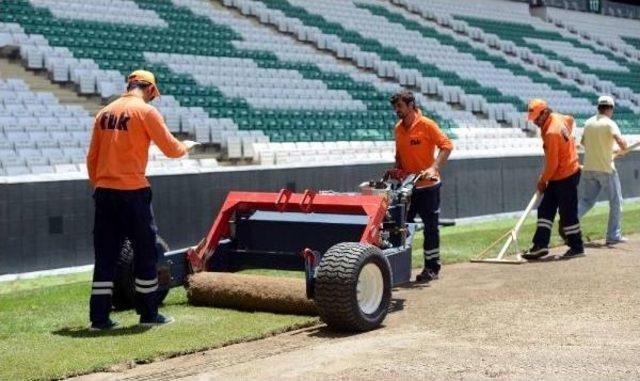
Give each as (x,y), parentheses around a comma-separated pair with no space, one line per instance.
(561,158)
(119,149)
(416,146)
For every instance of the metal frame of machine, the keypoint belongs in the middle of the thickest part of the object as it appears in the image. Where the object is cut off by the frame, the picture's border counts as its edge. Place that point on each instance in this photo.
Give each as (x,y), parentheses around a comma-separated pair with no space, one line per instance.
(353,247)
(374,207)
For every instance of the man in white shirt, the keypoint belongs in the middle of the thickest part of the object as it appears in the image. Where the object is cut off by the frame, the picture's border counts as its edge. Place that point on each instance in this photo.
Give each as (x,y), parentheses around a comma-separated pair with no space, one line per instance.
(599,171)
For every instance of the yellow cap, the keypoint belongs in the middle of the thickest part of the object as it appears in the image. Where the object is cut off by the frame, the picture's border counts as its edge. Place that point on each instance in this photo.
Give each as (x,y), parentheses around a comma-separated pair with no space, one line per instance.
(536,106)
(145,76)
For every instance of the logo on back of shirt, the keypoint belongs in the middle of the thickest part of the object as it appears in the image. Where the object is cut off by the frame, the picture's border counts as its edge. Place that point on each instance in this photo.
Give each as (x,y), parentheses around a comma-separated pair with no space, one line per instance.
(111,121)
(566,130)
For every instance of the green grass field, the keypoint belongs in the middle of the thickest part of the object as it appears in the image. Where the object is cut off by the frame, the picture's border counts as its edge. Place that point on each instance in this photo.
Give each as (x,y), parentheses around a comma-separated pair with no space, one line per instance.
(43,322)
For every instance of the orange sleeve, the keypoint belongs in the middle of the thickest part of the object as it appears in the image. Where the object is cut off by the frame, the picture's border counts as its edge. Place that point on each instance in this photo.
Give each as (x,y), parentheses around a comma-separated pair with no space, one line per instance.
(551,152)
(440,139)
(94,147)
(160,135)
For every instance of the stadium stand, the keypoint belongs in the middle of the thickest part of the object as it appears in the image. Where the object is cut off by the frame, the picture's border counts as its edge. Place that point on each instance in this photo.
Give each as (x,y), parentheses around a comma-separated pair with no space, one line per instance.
(81,69)
(619,35)
(366,51)
(565,53)
(292,81)
(189,34)
(569,62)
(448,44)
(38,135)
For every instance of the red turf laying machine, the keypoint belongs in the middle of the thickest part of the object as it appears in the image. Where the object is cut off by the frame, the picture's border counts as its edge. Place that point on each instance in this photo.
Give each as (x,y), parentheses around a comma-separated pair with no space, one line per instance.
(353,247)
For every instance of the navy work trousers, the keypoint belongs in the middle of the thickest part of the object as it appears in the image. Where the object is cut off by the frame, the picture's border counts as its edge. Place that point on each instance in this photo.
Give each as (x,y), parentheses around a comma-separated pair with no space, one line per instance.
(562,196)
(425,202)
(121,214)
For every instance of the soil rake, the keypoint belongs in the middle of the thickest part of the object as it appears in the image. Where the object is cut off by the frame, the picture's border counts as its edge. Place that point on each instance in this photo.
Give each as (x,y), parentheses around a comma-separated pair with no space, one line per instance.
(512,235)
(511,238)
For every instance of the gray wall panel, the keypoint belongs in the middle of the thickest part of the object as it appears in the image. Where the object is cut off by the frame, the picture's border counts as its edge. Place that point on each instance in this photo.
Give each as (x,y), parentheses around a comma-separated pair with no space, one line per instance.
(186,205)
(518,181)
(478,189)
(629,170)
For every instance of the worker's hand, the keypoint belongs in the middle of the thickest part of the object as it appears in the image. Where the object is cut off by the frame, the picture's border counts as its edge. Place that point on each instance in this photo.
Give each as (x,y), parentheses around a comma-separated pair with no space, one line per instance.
(190,144)
(395,173)
(432,173)
(541,185)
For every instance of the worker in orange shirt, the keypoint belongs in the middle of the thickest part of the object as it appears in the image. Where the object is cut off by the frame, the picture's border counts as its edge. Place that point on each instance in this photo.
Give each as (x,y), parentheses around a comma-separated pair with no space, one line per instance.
(416,140)
(116,164)
(558,182)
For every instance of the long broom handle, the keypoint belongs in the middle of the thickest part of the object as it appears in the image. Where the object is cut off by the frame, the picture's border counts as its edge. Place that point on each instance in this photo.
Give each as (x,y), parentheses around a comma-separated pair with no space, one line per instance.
(516,229)
(534,200)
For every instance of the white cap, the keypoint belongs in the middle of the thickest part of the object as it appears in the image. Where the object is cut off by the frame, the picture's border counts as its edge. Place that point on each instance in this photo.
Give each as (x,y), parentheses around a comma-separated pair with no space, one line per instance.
(606,100)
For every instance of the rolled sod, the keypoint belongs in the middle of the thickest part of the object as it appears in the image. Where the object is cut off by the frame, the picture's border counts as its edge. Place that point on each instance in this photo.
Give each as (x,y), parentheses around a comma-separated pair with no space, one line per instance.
(250,293)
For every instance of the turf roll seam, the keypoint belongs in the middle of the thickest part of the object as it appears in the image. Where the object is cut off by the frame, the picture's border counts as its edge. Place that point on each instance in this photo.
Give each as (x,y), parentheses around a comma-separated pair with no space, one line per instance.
(250,293)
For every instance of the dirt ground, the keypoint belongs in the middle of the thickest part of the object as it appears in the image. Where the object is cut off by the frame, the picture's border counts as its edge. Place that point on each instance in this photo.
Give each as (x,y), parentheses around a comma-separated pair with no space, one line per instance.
(552,320)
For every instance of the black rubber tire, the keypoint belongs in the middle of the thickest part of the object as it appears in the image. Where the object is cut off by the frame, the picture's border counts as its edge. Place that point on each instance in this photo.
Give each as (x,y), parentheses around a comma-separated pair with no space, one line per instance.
(336,282)
(123,286)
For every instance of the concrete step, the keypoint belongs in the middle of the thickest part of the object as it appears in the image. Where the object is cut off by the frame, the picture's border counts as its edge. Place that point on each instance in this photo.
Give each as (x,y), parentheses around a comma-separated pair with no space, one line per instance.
(11,67)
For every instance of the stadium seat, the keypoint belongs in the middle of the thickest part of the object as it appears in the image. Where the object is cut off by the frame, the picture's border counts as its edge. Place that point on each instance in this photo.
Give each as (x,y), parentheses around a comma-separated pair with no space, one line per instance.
(232,82)
(16,170)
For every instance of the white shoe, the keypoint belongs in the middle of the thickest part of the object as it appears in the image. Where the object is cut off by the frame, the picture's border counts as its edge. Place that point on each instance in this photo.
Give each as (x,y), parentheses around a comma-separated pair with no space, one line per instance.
(158,321)
(617,241)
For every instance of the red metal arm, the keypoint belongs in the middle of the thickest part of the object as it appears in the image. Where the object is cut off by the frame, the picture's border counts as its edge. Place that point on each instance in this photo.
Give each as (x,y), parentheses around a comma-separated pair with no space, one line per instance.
(373,206)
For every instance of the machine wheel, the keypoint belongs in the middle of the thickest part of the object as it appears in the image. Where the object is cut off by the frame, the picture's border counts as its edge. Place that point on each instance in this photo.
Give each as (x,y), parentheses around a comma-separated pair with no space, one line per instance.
(124,287)
(353,287)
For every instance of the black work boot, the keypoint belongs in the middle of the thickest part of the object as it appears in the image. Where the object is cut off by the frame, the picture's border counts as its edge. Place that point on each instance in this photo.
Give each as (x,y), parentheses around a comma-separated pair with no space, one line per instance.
(572,253)
(427,275)
(103,326)
(535,252)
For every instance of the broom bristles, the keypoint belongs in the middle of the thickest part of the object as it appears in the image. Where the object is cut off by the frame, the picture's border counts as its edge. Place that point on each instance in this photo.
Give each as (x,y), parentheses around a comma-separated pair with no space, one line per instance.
(250,293)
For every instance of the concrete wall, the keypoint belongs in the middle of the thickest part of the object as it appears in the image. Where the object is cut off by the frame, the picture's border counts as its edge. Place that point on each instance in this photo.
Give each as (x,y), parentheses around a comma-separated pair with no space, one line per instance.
(46,225)
(618,8)
(628,8)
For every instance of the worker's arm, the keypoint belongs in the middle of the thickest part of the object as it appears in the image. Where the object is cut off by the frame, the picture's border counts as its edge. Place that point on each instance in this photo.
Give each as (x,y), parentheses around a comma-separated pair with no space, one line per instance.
(622,143)
(617,136)
(445,146)
(442,158)
(398,163)
(623,146)
(160,135)
(92,155)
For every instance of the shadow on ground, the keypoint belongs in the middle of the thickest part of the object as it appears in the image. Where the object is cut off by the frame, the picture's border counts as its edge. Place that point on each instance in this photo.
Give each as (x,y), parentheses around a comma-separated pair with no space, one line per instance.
(82,333)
